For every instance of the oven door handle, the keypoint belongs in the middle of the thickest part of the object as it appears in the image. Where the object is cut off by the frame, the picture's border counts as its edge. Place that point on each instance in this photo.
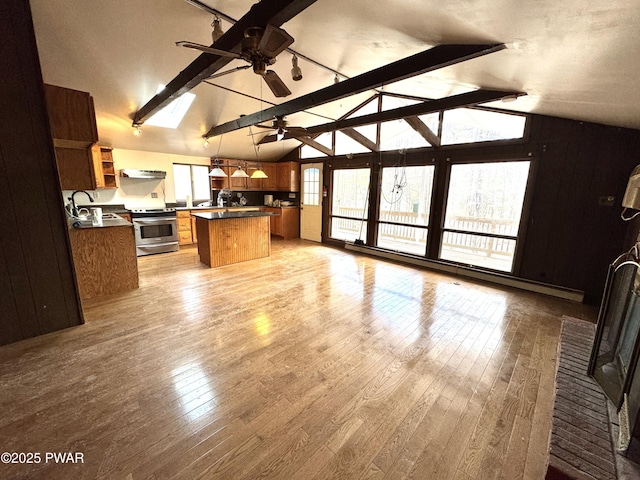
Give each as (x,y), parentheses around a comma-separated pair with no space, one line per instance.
(154,220)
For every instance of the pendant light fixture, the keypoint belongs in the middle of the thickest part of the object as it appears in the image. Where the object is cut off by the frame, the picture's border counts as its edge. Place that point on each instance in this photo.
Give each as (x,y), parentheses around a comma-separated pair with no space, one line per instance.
(240,173)
(217,171)
(259,173)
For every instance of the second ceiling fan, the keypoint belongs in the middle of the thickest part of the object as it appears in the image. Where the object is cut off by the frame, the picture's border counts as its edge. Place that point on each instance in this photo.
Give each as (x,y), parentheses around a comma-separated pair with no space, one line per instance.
(281,128)
(260,47)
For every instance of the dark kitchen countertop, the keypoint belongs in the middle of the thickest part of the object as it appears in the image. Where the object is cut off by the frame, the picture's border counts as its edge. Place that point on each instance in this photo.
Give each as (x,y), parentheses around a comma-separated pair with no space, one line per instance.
(215,207)
(227,215)
(74,223)
(107,207)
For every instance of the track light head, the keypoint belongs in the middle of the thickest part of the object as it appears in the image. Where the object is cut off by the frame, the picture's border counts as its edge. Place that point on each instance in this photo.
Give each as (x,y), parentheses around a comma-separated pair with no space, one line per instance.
(296,72)
(217,29)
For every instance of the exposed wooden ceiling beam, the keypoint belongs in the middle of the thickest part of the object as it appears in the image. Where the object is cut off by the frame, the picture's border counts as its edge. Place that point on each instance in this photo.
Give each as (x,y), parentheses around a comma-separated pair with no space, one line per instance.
(316,145)
(361,139)
(274,12)
(408,112)
(420,127)
(427,61)
(462,100)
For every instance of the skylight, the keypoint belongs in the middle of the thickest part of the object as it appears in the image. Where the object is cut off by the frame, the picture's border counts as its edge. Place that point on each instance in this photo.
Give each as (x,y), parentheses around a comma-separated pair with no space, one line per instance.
(171,115)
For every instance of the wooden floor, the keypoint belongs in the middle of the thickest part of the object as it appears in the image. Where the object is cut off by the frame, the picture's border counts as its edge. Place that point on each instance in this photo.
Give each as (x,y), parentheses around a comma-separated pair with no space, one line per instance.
(313,363)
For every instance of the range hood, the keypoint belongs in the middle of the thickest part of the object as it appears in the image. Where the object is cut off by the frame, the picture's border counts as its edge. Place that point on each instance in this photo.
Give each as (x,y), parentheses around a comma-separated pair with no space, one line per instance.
(133,173)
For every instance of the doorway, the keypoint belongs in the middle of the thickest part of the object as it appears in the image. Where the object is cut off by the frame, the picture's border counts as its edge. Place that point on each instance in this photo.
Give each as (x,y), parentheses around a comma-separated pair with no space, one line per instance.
(311,202)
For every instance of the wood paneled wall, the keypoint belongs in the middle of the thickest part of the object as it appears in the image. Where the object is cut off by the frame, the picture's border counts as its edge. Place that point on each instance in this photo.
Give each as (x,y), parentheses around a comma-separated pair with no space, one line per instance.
(37,288)
(570,238)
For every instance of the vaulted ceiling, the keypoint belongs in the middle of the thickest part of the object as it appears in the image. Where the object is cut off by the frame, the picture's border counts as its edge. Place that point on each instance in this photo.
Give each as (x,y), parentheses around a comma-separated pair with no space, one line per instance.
(574,59)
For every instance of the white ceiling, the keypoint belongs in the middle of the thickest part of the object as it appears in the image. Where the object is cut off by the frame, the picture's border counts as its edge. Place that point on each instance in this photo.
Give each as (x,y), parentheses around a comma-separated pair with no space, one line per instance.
(575,59)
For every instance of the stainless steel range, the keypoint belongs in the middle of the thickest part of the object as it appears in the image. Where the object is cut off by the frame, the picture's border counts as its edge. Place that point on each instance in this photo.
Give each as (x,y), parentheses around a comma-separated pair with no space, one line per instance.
(156,230)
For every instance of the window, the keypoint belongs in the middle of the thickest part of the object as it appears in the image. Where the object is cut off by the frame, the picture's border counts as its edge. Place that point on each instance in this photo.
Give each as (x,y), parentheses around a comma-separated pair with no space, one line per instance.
(191,180)
(483,211)
(346,145)
(326,140)
(405,205)
(311,186)
(349,204)
(398,134)
(467,125)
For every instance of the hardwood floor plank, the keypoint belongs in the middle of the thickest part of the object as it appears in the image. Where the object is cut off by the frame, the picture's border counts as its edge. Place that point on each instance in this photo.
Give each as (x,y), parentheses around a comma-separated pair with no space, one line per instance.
(312,362)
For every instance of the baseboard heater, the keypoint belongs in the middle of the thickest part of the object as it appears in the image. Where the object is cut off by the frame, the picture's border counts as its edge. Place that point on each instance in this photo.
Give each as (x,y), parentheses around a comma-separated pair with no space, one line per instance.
(531,286)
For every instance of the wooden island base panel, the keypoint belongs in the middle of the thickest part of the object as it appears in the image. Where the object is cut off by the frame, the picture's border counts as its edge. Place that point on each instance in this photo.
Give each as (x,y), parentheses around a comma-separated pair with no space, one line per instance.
(232,237)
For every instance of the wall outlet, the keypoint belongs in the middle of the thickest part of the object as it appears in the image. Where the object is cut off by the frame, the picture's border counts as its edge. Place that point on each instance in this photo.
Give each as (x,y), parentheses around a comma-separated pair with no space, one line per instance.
(96,195)
(292,195)
(607,201)
(154,194)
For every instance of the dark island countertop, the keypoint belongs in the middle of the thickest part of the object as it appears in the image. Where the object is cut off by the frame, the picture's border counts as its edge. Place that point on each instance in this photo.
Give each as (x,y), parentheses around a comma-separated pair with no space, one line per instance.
(227,215)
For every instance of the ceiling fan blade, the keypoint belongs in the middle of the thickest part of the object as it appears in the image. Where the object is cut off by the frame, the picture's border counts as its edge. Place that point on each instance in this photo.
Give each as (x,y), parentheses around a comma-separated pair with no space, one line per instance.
(274,41)
(275,83)
(205,49)
(268,127)
(226,72)
(298,131)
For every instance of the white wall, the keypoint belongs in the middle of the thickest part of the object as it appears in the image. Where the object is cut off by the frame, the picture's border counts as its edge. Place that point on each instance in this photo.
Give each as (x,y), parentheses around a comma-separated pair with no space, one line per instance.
(137,192)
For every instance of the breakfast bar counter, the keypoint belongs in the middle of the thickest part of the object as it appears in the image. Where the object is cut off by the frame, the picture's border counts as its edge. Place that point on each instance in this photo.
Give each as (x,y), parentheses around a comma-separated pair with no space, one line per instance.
(232,237)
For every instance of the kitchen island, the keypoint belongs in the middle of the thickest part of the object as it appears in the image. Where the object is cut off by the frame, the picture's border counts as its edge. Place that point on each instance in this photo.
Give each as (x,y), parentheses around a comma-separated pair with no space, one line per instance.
(232,237)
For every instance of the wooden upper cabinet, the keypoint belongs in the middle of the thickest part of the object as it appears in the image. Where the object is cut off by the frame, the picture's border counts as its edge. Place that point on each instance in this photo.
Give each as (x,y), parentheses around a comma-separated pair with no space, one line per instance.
(270,183)
(288,179)
(236,183)
(254,183)
(103,167)
(284,177)
(71,116)
(73,127)
(75,168)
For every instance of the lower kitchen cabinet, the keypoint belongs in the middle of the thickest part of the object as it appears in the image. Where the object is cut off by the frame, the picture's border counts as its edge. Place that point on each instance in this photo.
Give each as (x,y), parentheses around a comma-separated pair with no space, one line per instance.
(287,222)
(184,227)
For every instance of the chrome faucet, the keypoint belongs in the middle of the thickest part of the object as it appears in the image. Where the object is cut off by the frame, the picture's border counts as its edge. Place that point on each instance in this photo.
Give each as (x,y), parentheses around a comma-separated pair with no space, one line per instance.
(74,209)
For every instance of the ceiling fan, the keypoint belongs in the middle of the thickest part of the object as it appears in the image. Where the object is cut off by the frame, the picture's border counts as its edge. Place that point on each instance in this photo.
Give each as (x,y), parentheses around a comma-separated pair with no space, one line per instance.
(280,125)
(260,47)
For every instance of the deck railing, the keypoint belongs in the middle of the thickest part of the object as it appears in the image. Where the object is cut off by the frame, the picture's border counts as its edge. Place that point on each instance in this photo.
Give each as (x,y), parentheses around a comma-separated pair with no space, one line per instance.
(407,233)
